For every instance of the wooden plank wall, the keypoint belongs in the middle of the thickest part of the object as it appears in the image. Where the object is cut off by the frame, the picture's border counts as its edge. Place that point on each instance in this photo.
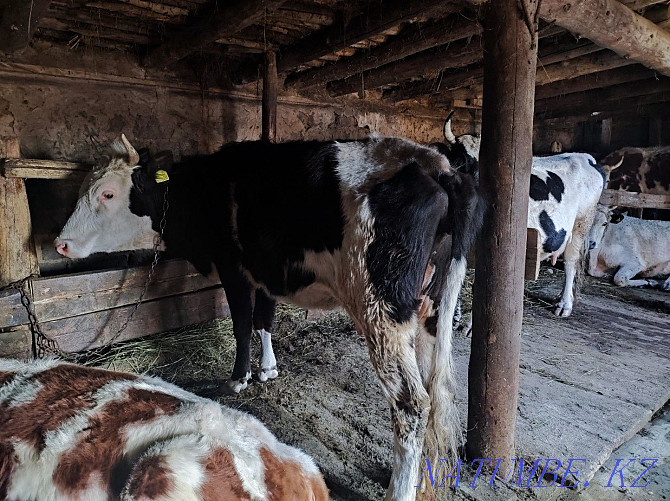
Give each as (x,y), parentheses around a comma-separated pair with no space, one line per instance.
(85,310)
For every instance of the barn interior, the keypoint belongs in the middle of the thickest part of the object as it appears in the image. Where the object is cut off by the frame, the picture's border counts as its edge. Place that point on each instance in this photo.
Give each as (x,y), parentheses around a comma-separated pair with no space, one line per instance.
(191,75)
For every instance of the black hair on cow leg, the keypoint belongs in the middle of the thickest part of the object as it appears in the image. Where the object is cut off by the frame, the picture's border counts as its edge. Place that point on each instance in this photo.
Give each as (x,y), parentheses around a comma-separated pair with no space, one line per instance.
(238,293)
(264,311)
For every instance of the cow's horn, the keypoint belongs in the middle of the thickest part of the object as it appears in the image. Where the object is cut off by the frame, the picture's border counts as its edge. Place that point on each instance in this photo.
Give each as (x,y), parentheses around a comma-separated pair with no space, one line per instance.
(133,156)
(448,135)
(618,164)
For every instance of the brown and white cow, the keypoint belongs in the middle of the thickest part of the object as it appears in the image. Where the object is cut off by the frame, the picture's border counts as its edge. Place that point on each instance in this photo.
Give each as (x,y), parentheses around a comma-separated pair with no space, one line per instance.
(75,433)
(642,170)
(636,251)
(379,226)
(564,192)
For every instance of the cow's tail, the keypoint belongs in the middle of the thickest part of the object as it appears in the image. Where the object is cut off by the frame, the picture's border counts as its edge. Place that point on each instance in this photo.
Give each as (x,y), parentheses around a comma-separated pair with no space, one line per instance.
(466,207)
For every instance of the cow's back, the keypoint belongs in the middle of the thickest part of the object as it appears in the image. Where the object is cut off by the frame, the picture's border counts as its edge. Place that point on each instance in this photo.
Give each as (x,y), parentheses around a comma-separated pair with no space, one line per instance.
(71,432)
(564,188)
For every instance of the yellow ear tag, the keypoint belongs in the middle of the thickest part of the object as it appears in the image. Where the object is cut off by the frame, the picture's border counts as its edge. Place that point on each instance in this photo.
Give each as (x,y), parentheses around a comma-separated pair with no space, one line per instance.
(161,176)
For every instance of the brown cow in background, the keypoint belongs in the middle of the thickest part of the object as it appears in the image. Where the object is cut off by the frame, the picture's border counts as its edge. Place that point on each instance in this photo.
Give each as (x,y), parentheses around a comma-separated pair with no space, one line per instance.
(643,170)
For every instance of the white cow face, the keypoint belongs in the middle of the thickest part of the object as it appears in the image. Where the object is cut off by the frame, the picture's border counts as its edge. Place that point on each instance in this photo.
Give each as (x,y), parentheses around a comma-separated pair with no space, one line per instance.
(600,221)
(103,221)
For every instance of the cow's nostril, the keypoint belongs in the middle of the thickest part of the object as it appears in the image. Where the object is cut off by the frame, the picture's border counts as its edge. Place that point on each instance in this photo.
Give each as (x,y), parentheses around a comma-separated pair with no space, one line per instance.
(61,248)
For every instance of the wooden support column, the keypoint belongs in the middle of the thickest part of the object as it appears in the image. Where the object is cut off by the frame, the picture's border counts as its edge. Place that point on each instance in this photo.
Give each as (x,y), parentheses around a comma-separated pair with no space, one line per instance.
(270,88)
(510,55)
(17,251)
(605,134)
(655,131)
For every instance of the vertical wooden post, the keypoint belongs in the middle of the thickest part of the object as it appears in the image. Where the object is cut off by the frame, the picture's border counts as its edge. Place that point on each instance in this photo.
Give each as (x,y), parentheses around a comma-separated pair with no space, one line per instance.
(655,131)
(510,54)
(270,89)
(605,134)
(17,250)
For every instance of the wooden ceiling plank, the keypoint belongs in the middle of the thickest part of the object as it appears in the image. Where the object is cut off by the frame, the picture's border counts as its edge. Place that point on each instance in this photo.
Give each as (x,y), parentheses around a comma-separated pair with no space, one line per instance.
(209,27)
(415,39)
(457,55)
(592,81)
(365,25)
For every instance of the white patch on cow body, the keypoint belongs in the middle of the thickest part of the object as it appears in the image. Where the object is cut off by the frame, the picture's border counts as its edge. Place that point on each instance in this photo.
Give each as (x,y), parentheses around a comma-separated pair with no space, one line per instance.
(471,144)
(359,162)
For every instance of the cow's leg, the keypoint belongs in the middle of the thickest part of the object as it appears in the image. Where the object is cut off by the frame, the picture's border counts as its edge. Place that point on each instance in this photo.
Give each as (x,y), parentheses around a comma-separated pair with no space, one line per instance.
(238,293)
(264,315)
(571,257)
(624,277)
(392,353)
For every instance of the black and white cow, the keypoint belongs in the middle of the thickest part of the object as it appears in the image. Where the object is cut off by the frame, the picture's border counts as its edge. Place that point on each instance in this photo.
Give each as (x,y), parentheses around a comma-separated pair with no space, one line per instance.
(564,192)
(636,251)
(380,226)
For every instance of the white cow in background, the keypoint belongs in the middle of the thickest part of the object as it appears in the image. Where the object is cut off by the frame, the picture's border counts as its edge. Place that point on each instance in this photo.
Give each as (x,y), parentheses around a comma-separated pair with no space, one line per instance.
(630,247)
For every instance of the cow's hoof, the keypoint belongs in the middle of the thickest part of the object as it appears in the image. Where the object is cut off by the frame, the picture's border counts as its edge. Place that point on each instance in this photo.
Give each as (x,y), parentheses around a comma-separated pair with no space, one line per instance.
(269,373)
(562,311)
(234,386)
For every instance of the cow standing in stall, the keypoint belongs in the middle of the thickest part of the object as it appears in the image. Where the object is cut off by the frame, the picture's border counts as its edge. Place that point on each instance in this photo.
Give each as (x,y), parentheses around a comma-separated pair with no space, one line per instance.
(636,251)
(564,192)
(77,433)
(380,226)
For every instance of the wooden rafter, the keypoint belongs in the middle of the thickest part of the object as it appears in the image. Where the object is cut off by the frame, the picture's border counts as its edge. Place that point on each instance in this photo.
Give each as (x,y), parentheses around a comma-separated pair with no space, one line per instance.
(415,39)
(209,27)
(647,92)
(457,55)
(594,81)
(612,25)
(374,21)
(18,22)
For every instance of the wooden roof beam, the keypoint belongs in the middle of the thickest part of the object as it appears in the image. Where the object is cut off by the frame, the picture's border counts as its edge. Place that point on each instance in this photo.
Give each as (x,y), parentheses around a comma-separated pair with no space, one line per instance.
(415,39)
(614,26)
(456,55)
(232,17)
(645,92)
(548,55)
(18,22)
(372,22)
(592,81)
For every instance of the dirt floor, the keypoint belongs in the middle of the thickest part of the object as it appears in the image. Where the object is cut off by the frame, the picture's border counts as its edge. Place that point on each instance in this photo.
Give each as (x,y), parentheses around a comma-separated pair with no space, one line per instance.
(327,400)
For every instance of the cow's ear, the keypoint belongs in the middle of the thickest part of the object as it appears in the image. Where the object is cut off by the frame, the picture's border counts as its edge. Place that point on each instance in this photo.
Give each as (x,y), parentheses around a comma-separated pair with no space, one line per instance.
(616,218)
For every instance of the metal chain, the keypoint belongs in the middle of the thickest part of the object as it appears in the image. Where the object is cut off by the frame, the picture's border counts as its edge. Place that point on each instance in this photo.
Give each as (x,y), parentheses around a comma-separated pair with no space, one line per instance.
(157,242)
(42,344)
